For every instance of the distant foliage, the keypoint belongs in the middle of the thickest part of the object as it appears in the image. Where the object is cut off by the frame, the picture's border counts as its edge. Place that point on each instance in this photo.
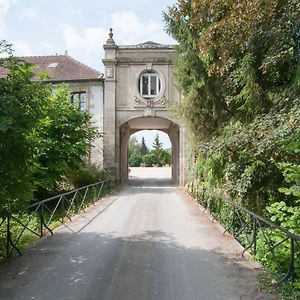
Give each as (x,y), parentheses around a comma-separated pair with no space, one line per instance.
(139,155)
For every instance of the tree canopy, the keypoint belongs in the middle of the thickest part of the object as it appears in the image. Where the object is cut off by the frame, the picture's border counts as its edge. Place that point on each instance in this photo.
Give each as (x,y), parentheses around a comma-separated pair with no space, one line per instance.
(236,56)
(239,75)
(42,136)
(139,155)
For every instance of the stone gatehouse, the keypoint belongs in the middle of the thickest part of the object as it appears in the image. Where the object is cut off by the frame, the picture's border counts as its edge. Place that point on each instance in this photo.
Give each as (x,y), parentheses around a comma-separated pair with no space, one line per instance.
(136,93)
(139,91)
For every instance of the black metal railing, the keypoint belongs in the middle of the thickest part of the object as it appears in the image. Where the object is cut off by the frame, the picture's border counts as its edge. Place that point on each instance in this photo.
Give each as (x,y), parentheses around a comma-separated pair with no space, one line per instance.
(38,218)
(277,248)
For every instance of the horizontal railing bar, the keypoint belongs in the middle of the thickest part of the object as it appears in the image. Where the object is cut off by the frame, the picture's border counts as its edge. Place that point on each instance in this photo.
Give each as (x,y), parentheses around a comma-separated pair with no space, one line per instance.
(258,217)
(66,194)
(38,207)
(279,243)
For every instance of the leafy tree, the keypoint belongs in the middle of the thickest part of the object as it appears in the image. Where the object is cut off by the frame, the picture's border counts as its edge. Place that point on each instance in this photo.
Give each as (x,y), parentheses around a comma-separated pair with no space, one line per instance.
(133,146)
(62,138)
(42,137)
(236,56)
(167,157)
(20,106)
(149,159)
(135,159)
(239,75)
(134,152)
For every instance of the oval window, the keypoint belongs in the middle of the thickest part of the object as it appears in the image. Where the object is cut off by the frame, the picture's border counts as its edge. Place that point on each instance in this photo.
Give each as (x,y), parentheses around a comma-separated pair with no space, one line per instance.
(149,84)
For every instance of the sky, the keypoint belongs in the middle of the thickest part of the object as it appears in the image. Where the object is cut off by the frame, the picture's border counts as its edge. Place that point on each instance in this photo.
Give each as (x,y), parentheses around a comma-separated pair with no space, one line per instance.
(48,27)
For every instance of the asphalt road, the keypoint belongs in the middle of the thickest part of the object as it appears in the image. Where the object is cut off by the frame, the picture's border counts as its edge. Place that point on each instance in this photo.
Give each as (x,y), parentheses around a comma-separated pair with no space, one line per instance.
(146,242)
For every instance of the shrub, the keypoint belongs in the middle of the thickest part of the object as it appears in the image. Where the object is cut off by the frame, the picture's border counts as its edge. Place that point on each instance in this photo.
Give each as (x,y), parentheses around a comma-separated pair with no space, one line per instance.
(86,175)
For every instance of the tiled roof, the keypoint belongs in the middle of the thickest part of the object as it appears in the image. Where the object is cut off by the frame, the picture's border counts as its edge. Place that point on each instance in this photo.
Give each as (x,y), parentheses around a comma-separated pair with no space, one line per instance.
(60,68)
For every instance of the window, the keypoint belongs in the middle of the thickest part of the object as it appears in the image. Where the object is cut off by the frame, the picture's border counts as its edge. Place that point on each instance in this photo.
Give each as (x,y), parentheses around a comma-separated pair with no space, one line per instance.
(79,99)
(53,65)
(149,85)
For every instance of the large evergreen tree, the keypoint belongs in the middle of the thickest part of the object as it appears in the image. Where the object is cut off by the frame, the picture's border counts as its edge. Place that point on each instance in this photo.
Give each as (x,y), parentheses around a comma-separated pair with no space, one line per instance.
(158,151)
(144,148)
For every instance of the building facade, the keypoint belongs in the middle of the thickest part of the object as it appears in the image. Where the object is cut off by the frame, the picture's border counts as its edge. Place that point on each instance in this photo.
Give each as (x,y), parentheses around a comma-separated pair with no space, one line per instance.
(137,92)
(84,83)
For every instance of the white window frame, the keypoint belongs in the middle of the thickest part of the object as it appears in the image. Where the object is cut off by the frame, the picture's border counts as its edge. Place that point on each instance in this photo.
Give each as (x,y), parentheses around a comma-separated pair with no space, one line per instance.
(148,75)
(81,95)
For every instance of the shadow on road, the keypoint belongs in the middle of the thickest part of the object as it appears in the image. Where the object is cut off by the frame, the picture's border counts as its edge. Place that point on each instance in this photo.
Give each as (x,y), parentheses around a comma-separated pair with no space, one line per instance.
(147,266)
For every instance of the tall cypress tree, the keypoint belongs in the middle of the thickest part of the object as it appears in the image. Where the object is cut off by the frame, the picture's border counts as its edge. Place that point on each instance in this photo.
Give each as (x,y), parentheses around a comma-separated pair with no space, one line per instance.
(144,148)
(158,151)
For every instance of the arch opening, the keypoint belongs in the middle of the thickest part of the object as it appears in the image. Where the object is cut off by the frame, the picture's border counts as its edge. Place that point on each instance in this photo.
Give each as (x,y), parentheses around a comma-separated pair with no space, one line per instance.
(170,135)
(150,156)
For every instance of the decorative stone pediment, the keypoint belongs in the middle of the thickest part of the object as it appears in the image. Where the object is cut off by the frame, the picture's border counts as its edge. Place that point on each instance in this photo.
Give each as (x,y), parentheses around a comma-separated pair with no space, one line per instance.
(148,44)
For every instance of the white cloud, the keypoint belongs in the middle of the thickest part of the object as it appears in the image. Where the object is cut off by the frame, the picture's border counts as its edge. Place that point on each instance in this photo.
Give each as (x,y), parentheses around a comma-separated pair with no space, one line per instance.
(90,37)
(86,44)
(30,13)
(129,29)
(4,6)
(75,12)
(22,49)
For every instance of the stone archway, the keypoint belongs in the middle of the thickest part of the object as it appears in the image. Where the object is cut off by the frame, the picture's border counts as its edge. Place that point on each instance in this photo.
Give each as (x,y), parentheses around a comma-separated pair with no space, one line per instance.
(148,123)
(139,90)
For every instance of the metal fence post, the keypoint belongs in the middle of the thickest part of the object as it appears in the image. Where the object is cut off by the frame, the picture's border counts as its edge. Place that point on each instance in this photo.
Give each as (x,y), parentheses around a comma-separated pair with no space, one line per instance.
(9,241)
(42,221)
(7,237)
(254,236)
(63,209)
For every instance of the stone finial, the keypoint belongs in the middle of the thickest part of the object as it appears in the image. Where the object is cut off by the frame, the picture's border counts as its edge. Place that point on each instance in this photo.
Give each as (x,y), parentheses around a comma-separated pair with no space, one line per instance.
(110,40)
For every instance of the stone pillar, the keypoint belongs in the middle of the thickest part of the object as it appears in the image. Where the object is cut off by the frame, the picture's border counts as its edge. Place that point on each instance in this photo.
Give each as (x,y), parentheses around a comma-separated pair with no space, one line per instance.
(186,174)
(123,158)
(109,122)
(174,138)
